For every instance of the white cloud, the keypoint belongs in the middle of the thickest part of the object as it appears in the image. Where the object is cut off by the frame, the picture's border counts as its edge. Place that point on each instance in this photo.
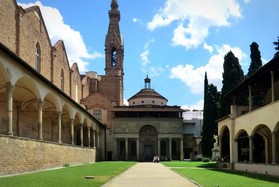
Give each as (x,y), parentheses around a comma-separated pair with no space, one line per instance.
(194,77)
(58,30)
(195,18)
(208,47)
(144,55)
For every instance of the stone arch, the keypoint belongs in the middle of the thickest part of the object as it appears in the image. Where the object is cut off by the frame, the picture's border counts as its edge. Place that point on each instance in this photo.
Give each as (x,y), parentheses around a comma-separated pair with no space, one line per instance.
(86,130)
(66,124)
(242,139)
(4,79)
(26,99)
(262,144)
(148,136)
(51,114)
(78,129)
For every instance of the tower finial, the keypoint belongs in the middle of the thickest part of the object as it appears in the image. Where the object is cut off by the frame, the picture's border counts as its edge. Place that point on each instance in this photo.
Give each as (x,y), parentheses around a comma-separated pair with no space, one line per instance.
(147,82)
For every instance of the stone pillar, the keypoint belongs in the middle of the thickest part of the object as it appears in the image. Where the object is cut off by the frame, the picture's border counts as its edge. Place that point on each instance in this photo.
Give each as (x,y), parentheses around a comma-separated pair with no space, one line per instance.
(251,149)
(81,135)
(274,161)
(98,139)
(138,153)
(59,127)
(272,87)
(170,148)
(159,147)
(95,139)
(126,149)
(88,135)
(10,90)
(181,150)
(40,119)
(72,131)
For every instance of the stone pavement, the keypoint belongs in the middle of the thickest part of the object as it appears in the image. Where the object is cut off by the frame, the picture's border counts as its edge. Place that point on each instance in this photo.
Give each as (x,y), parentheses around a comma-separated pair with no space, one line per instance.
(148,174)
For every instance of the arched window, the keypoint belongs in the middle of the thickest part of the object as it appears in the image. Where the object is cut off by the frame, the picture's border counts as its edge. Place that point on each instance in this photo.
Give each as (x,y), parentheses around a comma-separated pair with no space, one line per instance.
(113,57)
(62,80)
(38,58)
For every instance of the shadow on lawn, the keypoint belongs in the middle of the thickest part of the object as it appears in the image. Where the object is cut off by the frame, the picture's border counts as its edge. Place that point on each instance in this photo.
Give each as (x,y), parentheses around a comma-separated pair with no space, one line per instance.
(257,176)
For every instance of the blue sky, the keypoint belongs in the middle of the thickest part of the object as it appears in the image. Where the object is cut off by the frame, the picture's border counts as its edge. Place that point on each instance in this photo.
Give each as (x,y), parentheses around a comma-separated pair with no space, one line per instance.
(172,41)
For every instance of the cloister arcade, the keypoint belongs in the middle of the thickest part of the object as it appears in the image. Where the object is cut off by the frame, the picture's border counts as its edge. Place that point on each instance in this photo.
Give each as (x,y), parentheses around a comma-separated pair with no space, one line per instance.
(32,107)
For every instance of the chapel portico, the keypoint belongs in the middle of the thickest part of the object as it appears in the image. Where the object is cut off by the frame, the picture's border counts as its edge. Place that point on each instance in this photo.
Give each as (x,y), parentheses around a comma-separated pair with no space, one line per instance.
(147,127)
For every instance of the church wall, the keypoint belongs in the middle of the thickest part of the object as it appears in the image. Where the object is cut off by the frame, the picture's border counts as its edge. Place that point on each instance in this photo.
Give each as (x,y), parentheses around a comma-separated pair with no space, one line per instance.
(31,32)
(60,62)
(110,87)
(8,23)
(75,84)
(85,86)
(27,155)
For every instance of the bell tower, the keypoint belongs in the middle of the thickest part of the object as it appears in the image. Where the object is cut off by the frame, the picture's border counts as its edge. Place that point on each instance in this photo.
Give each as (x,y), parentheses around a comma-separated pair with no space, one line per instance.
(114,47)
(114,55)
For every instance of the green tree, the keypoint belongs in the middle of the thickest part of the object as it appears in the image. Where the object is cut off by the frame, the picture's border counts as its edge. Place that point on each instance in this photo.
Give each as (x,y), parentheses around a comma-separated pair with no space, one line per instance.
(232,76)
(210,115)
(276,47)
(256,61)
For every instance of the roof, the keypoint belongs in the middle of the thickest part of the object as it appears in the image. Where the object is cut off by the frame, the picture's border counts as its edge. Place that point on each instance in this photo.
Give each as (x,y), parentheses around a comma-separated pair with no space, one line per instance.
(260,80)
(147,108)
(147,93)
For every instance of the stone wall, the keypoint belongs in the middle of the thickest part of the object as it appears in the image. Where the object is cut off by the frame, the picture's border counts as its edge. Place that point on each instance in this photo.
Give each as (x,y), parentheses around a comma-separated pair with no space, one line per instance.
(20,155)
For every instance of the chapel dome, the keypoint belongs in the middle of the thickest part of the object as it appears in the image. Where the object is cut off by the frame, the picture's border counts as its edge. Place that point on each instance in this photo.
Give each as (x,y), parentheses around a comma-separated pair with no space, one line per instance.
(147,96)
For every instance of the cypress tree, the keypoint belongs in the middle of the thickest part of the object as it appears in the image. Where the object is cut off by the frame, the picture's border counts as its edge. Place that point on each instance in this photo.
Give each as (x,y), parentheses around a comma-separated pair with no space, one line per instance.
(210,115)
(255,56)
(232,76)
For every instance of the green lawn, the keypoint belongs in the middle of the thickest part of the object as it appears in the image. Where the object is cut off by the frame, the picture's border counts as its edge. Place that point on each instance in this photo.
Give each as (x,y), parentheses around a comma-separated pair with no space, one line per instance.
(206,175)
(69,176)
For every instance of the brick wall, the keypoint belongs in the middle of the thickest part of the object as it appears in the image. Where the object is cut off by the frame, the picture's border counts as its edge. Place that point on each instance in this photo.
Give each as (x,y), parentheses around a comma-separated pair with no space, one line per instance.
(8,24)
(20,155)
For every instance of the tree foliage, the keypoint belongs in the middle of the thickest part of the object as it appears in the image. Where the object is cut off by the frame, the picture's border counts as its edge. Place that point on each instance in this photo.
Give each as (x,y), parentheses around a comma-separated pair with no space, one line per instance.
(210,115)
(276,46)
(256,61)
(232,76)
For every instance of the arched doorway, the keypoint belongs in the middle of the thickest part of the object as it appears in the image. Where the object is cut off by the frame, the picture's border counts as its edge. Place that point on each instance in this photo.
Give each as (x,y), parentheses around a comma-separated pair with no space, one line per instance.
(148,138)
(225,145)
(243,147)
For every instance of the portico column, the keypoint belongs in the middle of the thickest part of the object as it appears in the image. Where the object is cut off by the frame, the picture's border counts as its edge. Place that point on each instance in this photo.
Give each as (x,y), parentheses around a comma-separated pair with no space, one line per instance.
(181,149)
(40,119)
(274,148)
(138,158)
(126,148)
(10,89)
(170,149)
(88,135)
(72,131)
(159,147)
(95,139)
(59,126)
(81,135)
(98,139)
(251,149)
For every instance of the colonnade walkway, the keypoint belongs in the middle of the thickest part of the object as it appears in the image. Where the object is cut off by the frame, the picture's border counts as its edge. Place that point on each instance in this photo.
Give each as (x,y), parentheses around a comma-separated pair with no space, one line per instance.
(148,174)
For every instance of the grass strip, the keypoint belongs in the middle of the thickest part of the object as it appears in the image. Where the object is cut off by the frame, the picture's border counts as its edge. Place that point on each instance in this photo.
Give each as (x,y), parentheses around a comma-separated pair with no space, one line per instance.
(69,176)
